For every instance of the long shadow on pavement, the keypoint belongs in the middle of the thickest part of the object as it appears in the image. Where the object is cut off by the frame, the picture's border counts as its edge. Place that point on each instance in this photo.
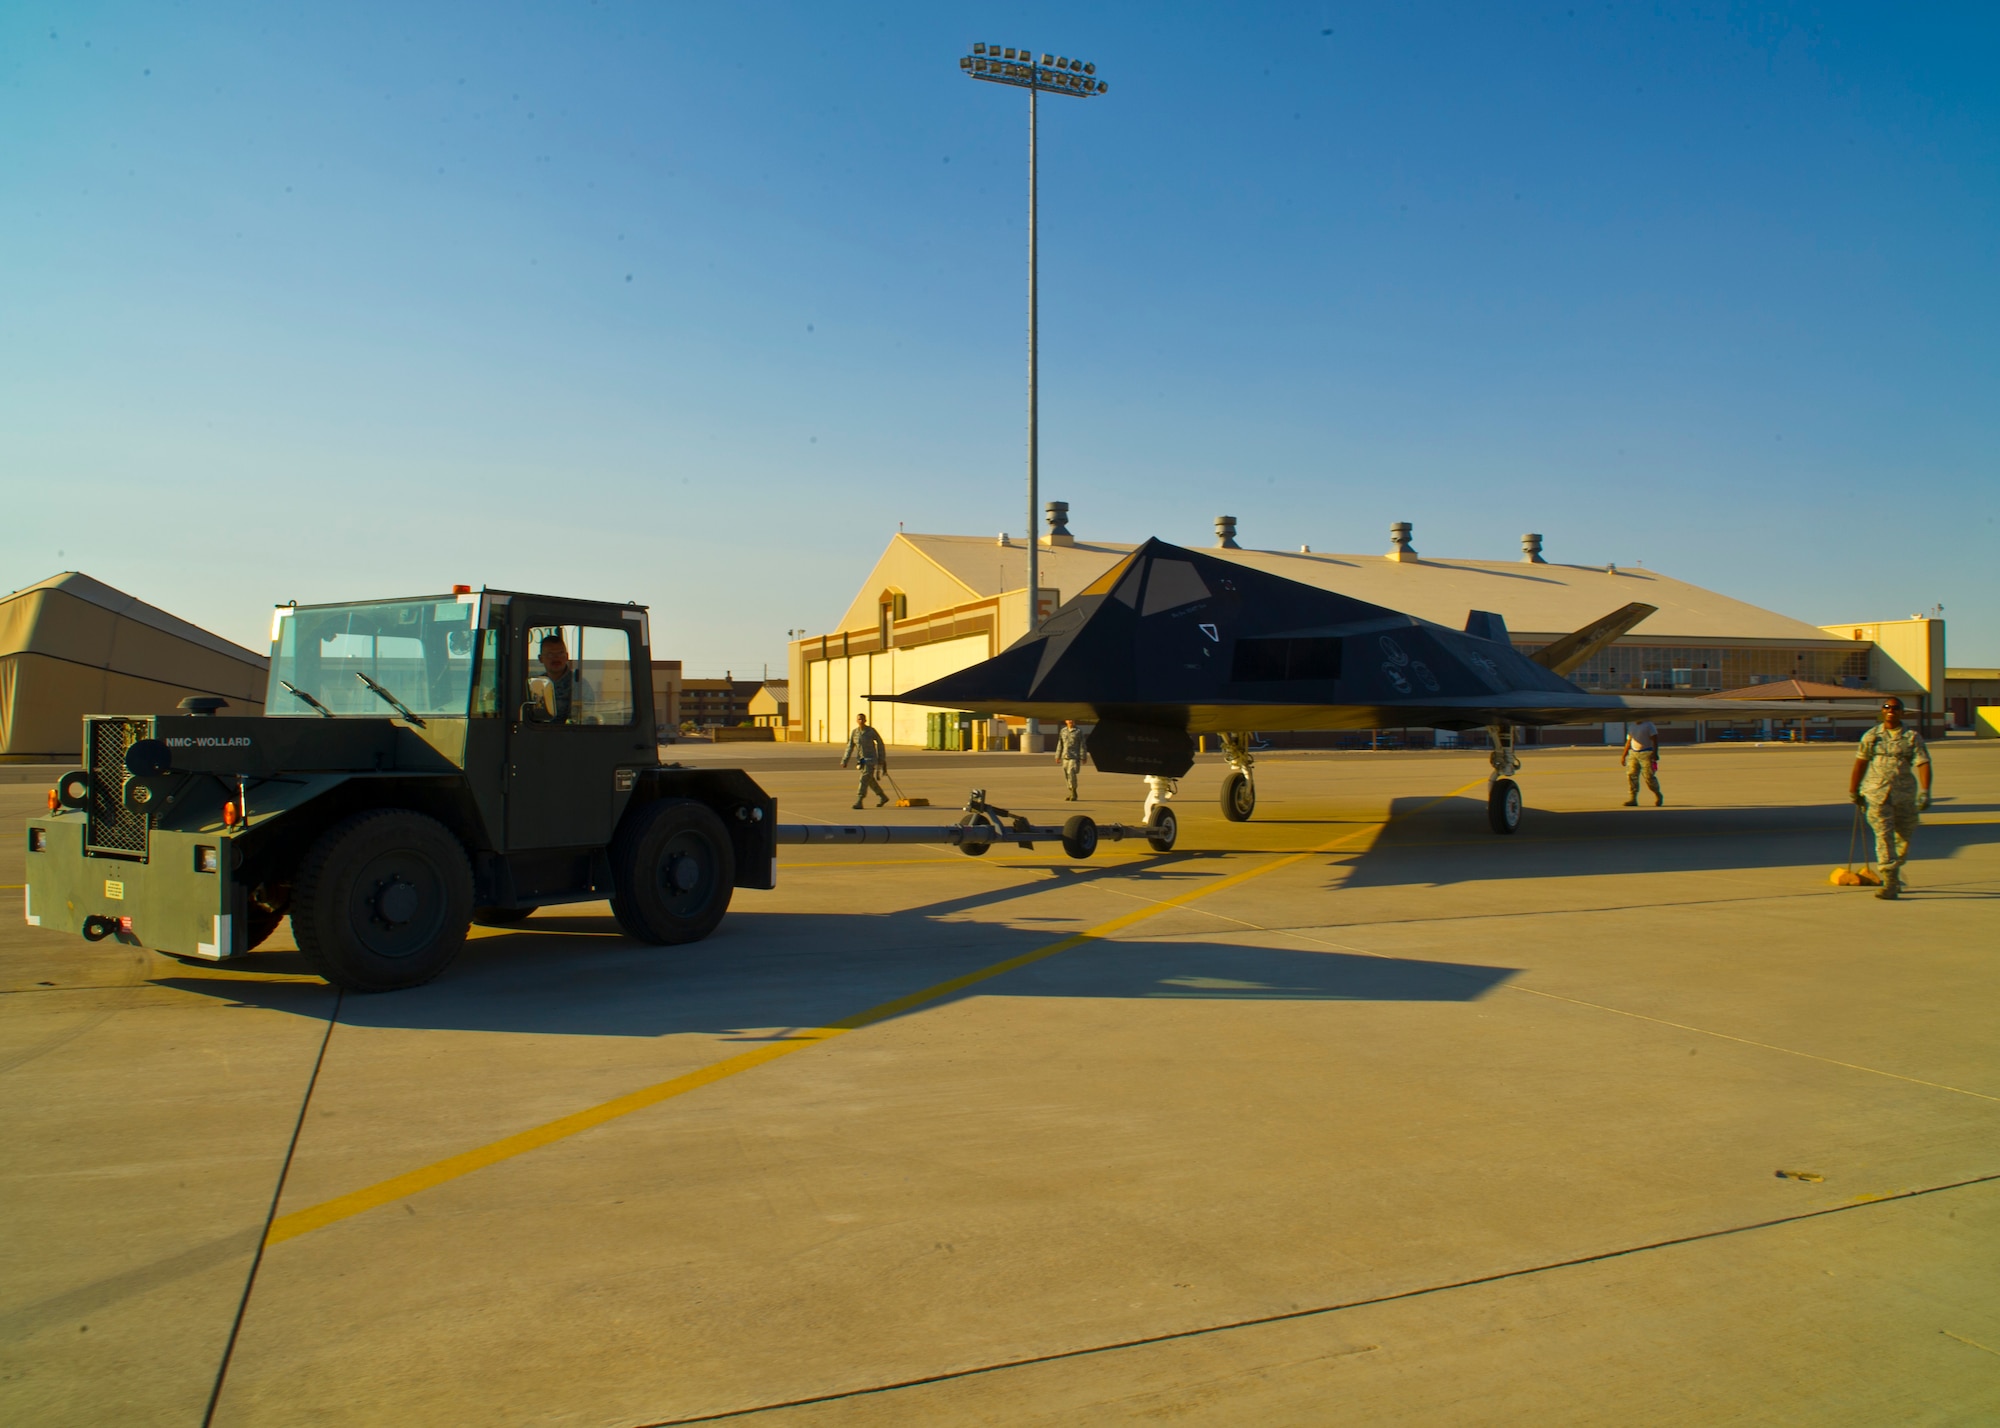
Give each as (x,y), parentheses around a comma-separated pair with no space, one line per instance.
(576,974)
(1453,844)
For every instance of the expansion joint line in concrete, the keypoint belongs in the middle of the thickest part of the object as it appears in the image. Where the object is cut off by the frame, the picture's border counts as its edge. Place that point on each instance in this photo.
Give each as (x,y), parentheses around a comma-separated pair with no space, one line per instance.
(1320,1310)
(401,1187)
(270,1214)
(1618,1011)
(1760,1045)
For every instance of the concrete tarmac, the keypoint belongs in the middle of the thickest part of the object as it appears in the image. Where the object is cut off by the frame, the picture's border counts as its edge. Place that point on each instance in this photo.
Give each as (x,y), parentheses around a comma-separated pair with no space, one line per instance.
(1353,1113)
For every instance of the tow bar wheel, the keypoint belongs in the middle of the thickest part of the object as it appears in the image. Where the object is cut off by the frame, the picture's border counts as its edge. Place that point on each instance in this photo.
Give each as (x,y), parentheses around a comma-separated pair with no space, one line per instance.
(1079,836)
(1503,805)
(971,847)
(674,870)
(382,901)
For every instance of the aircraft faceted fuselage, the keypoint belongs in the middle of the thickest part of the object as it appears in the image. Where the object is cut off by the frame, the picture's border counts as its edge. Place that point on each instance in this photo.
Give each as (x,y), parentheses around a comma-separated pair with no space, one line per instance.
(1172,643)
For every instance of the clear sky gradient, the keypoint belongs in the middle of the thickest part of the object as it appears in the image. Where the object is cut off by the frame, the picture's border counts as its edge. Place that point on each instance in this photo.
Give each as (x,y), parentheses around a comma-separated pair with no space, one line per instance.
(692,305)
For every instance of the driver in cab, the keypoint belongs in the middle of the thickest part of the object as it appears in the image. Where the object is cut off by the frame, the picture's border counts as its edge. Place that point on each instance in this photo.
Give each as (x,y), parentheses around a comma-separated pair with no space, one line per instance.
(564,697)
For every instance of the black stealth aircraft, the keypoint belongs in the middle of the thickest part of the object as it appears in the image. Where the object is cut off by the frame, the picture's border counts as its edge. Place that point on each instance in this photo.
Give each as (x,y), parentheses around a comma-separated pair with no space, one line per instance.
(1171,643)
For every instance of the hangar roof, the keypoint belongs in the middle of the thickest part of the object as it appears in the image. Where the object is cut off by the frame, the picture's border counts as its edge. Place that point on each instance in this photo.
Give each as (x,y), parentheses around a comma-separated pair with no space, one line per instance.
(1537,601)
(83,587)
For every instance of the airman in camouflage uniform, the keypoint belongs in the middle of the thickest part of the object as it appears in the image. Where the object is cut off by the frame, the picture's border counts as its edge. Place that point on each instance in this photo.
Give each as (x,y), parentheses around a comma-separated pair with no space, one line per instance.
(866,749)
(1642,761)
(1069,753)
(1892,782)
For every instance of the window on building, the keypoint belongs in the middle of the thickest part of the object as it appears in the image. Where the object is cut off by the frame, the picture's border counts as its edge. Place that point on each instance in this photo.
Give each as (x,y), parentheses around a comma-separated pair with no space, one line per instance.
(895,606)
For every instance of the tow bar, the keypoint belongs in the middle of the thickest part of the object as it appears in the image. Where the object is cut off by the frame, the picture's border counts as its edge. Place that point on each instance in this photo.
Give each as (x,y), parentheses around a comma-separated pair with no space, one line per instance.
(980,826)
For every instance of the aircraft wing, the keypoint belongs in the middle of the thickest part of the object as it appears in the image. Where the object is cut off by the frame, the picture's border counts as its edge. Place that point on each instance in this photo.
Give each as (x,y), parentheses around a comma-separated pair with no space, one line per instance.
(1179,640)
(1472,712)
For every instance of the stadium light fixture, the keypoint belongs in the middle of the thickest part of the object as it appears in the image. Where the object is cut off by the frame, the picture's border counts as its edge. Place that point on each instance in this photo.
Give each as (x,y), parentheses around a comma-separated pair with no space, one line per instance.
(1016,67)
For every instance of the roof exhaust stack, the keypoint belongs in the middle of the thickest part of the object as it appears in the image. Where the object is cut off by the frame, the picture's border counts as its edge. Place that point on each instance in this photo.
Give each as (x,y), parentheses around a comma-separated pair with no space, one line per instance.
(1399,542)
(1056,513)
(1531,549)
(1225,533)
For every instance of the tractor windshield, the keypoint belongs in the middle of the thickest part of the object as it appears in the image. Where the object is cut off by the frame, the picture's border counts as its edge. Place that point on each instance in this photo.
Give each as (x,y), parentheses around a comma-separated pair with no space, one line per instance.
(421,651)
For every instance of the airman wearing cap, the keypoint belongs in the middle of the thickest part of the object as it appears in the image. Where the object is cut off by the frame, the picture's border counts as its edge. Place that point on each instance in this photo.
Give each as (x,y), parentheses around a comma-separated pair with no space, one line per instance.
(1892,783)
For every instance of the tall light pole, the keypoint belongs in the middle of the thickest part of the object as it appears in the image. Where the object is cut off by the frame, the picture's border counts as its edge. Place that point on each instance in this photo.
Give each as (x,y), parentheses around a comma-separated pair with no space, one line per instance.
(1052,74)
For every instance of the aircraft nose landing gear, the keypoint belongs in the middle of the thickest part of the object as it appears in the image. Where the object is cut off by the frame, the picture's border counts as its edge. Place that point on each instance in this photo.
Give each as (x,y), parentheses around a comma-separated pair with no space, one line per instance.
(1503,795)
(1161,826)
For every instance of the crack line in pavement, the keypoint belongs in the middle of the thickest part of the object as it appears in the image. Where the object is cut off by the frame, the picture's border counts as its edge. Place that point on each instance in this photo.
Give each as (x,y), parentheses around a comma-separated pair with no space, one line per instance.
(1178,1335)
(277,1193)
(1929,887)
(399,1187)
(1746,1041)
(1615,1011)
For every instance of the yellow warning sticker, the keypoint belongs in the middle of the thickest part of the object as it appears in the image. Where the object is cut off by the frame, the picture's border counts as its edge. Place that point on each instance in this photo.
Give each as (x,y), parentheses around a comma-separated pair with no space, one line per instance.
(114,890)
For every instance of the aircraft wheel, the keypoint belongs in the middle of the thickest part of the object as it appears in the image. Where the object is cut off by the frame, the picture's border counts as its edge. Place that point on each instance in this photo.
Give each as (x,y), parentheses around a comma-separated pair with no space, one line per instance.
(1239,797)
(503,916)
(382,901)
(674,870)
(1079,838)
(1503,806)
(1164,829)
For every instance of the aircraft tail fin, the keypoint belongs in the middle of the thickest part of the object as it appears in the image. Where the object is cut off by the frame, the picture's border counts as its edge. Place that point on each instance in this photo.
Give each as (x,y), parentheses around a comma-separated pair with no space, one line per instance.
(1485,625)
(1572,650)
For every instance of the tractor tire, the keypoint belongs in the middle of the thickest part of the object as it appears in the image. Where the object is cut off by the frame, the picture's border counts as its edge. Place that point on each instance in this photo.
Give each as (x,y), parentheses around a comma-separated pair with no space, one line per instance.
(382,901)
(503,916)
(1163,830)
(1079,835)
(674,870)
(1503,806)
(1239,797)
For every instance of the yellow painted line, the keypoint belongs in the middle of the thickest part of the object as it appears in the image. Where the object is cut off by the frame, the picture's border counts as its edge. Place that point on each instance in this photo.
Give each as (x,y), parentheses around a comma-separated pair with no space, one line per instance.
(401,1187)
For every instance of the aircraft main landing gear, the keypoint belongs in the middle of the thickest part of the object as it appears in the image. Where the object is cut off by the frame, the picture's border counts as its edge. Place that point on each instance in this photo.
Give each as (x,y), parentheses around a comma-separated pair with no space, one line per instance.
(1239,785)
(1503,795)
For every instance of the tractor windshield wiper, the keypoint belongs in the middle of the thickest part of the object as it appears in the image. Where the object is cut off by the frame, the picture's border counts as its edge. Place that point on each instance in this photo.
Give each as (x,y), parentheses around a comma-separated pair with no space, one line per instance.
(400,706)
(298,693)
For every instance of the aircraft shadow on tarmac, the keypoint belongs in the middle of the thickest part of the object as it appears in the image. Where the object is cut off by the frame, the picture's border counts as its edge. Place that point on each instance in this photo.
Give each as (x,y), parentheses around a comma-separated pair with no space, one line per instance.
(575,974)
(1450,843)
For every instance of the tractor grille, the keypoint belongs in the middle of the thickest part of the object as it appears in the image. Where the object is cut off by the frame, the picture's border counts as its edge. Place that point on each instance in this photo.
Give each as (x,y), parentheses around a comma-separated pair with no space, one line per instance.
(111,826)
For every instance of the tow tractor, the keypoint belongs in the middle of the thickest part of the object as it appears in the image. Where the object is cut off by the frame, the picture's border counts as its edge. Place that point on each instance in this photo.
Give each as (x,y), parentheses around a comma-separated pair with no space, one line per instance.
(421,765)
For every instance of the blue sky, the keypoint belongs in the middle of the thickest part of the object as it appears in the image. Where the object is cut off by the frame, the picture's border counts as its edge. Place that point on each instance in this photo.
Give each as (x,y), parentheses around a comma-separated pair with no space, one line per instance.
(694,305)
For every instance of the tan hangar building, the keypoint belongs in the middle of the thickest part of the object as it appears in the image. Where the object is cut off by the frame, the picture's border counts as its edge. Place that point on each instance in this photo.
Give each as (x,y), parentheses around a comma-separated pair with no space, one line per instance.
(71,646)
(933,604)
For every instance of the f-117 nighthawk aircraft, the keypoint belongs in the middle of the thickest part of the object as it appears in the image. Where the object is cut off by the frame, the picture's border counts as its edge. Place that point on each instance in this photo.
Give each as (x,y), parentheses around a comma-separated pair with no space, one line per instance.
(1171,643)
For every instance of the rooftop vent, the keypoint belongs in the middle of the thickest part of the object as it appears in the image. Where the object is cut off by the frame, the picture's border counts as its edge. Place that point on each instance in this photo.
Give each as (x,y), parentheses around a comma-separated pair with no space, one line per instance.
(1225,533)
(1531,549)
(1399,542)
(1056,513)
